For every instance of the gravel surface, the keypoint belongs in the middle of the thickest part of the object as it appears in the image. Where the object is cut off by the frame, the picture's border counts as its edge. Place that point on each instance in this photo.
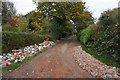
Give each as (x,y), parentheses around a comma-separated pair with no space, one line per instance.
(56,62)
(64,60)
(96,68)
(21,54)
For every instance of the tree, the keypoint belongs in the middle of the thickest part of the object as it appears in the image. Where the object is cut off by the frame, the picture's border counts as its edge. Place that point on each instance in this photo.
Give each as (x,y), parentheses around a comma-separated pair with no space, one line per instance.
(21,24)
(8,11)
(11,21)
(28,14)
(59,16)
(60,28)
(37,23)
(110,17)
(75,11)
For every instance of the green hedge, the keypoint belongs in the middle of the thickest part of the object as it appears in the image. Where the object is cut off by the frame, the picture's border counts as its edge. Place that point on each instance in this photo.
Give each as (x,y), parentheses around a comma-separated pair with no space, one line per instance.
(9,28)
(86,34)
(17,40)
(105,43)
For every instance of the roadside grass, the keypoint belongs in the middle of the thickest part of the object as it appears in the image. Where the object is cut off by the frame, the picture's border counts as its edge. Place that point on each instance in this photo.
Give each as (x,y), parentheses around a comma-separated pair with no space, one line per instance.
(14,66)
(104,59)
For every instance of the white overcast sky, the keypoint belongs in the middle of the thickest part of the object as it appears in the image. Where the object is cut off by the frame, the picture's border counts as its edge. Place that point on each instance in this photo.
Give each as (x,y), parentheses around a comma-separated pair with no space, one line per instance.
(95,6)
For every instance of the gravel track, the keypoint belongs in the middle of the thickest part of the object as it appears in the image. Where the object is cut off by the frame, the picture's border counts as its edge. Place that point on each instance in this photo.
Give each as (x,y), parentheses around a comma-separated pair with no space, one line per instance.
(56,62)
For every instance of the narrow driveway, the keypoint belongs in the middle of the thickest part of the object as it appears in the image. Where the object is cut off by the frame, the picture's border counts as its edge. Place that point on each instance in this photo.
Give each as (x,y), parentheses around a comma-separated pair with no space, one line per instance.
(56,62)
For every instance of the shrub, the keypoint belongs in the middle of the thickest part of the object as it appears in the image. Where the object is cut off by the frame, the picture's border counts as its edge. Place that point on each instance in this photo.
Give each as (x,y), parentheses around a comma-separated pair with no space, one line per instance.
(8,28)
(86,34)
(107,43)
(16,40)
(104,38)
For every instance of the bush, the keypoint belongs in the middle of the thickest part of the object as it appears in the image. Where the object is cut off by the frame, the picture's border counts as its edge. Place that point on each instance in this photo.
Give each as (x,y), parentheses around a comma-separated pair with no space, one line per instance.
(107,43)
(8,28)
(86,34)
(17,40)
(104,45)
(103,38)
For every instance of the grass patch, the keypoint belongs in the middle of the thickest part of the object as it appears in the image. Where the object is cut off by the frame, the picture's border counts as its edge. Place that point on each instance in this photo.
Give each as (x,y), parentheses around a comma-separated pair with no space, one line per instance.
(14,66)
(104,59)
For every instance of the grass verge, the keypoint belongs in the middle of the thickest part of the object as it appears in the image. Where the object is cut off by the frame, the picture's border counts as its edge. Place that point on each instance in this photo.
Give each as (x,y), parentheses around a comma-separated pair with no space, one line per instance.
(104,59)
(14,66)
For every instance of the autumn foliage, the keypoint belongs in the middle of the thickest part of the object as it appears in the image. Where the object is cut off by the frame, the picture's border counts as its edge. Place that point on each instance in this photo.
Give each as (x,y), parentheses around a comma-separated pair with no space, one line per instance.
(12,21)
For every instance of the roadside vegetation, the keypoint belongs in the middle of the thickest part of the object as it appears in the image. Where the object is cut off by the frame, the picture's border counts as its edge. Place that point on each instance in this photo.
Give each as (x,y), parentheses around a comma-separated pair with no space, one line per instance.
(48,22)
(18,40)
(102,39)
(56,21)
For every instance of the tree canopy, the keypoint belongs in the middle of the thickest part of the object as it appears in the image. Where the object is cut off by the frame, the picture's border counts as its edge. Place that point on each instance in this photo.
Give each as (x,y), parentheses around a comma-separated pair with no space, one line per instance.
(57,15)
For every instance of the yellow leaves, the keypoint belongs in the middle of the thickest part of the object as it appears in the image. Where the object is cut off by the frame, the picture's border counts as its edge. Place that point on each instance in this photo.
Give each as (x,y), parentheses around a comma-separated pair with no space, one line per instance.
(88,22)
(64,11)
(39,27)
(22,24)
(117,24)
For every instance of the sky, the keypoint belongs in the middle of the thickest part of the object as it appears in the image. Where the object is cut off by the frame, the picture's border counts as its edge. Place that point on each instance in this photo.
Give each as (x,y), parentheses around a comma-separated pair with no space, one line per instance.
(99,6)
(23,6)
(94,6)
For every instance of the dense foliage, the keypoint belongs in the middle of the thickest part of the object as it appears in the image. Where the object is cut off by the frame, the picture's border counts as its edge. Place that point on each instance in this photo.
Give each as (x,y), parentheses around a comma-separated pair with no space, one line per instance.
(17,40)
(9,28)
(16,24)
(103,38)
(54,18)
(60,28)
(11,22)
(22,24)
(86,34)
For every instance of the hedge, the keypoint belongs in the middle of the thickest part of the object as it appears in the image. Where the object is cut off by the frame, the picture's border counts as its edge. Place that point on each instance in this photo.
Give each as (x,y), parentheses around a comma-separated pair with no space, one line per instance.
(17,40)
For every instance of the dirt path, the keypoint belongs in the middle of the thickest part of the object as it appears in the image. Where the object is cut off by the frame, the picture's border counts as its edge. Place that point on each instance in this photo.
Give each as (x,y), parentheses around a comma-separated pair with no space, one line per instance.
(56,62)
